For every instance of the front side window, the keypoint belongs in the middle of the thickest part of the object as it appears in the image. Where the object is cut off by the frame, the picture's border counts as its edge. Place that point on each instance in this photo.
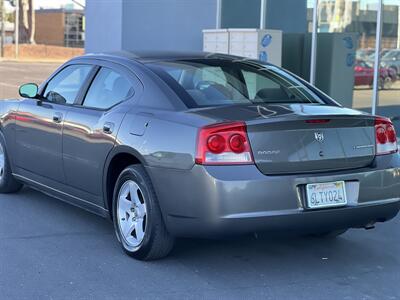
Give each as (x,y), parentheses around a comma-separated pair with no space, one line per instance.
(64,87)
(214,82)
(108,89)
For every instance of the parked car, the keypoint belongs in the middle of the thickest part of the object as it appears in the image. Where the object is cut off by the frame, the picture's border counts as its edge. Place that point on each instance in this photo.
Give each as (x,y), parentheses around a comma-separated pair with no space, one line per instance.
(364,53)
(364,75)
(391,60)
(371,58)
(198,145)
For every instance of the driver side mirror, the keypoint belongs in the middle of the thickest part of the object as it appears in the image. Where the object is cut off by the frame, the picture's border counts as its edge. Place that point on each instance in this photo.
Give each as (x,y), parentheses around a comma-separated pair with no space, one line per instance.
(29,90)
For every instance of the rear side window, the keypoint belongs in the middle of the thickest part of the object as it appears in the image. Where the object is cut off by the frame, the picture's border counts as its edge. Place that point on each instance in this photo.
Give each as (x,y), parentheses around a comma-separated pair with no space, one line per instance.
(392,54)
(108,89)
(64,87)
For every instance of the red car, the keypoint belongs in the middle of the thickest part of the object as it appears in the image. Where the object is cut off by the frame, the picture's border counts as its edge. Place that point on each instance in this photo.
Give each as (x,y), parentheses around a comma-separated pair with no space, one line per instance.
(364,75)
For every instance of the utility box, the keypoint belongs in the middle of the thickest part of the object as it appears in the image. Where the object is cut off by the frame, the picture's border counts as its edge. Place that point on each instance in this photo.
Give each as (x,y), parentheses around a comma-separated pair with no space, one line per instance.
(216,40)
(264,45)
(335,62)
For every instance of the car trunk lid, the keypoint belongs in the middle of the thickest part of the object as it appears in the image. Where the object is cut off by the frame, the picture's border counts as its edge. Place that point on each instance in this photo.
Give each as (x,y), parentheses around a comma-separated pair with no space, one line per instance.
(298,138)
(312,145)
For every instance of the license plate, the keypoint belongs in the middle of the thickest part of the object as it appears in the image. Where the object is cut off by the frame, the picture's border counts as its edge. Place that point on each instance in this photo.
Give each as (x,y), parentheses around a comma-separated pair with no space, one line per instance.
(329,194)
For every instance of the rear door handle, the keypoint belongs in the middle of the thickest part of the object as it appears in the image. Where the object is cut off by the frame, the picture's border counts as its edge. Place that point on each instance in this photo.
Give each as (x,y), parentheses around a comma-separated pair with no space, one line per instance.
(108,128)
(57,117)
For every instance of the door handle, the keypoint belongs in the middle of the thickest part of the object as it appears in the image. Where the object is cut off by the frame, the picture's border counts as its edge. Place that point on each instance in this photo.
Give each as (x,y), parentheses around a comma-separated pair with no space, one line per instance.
(108,128)
(57,117)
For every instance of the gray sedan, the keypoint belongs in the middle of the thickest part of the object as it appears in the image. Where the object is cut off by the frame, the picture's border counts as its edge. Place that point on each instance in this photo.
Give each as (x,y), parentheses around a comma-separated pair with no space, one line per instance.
(205,145)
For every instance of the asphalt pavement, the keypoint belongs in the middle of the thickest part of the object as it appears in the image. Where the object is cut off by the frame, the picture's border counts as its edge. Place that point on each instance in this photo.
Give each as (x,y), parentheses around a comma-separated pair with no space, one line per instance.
(51,250)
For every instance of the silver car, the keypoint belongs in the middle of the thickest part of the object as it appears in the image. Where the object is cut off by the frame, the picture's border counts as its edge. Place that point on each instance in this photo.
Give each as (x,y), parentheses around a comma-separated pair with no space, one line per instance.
(198,145)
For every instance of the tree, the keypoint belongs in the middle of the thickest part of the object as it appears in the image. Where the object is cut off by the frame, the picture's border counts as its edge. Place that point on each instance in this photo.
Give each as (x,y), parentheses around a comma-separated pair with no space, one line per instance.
(2,30)
(26,21)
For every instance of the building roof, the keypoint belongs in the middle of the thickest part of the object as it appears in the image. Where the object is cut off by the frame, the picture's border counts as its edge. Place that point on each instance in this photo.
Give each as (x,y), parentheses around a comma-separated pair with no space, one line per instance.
(59,10)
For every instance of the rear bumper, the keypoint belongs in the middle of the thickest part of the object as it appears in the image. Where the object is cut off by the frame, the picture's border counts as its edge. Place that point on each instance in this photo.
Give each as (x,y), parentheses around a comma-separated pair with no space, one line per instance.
(293,221)
(212,201)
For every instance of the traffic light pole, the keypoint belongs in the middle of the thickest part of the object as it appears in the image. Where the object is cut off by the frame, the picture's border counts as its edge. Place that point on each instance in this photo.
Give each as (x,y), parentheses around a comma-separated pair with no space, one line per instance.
(375,94)
(16,29)
(313,64)
(2,25)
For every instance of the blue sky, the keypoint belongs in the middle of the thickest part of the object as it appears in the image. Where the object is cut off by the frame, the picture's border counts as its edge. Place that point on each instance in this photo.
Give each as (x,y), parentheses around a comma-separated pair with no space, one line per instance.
(54,3)
(59,3)
(364,3)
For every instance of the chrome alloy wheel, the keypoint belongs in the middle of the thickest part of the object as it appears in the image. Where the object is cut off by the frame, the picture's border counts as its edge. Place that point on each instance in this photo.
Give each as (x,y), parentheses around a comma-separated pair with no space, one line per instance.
(131,213)
(2,162)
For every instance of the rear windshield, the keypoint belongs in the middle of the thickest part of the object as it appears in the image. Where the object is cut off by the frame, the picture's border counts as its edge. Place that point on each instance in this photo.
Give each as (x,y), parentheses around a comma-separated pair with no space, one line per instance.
(217,82)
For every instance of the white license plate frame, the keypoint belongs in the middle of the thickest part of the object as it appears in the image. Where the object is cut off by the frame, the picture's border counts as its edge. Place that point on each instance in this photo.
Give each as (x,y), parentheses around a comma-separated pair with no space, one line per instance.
(326,195)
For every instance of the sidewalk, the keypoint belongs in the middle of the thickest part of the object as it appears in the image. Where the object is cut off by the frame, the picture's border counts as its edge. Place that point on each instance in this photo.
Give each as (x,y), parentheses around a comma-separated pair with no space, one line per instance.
(41,53)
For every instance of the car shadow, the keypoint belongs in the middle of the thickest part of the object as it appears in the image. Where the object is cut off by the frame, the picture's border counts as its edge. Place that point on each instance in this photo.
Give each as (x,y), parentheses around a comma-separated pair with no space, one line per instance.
(261,254)
(287,260)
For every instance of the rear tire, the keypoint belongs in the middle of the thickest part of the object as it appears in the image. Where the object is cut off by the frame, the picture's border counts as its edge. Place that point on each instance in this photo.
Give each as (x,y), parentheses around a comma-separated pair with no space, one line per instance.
(381,83)
(8,184)
(394,68)
(388,83)
(137,217)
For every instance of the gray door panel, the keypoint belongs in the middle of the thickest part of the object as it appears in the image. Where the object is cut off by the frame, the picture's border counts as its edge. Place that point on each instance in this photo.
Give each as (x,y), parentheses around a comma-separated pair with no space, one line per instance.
(39,124)
(88,137)
(39,138)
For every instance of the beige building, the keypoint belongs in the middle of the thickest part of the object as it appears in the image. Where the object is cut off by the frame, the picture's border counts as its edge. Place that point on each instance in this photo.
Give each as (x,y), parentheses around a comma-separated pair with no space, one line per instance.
(60,27)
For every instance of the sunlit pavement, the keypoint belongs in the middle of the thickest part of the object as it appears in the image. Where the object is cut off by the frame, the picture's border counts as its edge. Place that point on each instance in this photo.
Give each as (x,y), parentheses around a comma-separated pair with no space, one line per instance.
(51,250)
(390,97)
(13,74)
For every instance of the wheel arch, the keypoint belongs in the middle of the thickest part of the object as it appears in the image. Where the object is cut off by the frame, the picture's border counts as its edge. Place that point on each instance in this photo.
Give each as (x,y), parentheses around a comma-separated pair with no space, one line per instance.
(119,158)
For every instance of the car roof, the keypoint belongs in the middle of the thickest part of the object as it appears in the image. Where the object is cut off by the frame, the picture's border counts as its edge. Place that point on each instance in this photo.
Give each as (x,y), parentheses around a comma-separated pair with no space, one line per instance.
(156,56)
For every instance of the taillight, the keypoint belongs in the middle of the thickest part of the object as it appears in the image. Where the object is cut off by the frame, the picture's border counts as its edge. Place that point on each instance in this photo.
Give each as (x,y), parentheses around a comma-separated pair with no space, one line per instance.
(385,136)
(223,144)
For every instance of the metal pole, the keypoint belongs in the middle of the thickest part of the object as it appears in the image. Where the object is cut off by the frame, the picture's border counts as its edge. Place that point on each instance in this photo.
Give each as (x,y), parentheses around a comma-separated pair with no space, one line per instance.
(375,95)
(16,29)
(398,27)
(218,16)
(263,14)
(3,29)
(313,63)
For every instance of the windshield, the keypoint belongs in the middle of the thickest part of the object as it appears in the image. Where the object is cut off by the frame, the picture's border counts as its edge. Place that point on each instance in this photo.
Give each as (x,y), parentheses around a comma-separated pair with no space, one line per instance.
(391,55)
(216,82)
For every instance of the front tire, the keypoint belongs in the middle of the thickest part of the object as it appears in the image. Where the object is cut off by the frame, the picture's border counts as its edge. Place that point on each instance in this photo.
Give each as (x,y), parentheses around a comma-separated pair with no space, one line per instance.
(8,184)
(137,218)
